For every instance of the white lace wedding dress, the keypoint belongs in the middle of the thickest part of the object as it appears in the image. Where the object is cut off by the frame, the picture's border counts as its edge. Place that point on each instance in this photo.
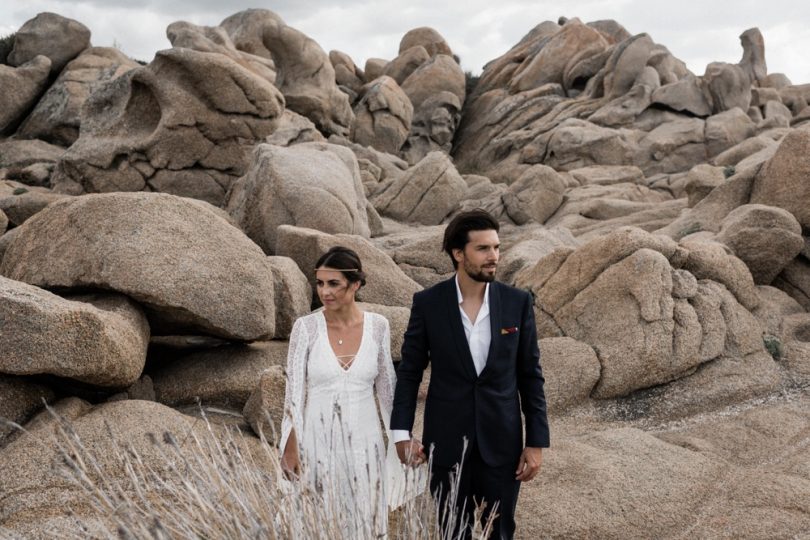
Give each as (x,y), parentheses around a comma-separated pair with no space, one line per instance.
(335,417)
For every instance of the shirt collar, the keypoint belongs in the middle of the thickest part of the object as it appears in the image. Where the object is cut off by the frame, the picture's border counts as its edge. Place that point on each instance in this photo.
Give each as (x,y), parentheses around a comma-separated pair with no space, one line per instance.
(461,298)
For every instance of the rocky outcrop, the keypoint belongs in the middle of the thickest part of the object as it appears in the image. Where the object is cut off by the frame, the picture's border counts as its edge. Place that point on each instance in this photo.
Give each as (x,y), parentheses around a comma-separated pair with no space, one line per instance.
(57,38)
(383,116)
(689,304)
(222,376)
(19,202)
(20,399)
(57,116)
(22,86)
(214,39)
(185,124)
(264,408)
(100,339)
(425,194)
(305,75)
(386,283)
(313,185)
(175,256)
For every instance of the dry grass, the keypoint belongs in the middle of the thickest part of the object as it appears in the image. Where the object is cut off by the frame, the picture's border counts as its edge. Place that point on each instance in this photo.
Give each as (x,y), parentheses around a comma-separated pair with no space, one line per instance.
(216,483)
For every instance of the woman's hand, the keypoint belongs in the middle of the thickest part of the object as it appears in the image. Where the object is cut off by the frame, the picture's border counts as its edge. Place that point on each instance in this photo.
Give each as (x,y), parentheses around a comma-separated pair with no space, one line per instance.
(290,460)
(291,465)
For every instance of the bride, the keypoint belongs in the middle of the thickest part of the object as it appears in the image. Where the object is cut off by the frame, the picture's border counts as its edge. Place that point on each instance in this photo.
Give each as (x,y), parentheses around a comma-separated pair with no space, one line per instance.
(339,360)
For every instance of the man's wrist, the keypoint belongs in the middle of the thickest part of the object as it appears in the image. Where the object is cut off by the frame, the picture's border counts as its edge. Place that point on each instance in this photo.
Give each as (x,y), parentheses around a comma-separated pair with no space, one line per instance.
(400,435)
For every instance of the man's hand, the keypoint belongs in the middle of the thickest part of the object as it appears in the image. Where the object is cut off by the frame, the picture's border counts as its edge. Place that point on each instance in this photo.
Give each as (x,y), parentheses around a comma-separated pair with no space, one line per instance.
(529,464)
(411,452)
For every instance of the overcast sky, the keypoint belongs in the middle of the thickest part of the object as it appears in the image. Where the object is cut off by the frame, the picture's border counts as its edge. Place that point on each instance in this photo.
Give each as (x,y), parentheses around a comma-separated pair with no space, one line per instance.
(697,32)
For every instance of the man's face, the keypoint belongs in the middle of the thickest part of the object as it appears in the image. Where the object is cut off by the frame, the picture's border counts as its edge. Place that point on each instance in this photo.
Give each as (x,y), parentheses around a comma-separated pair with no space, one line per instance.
(479,258)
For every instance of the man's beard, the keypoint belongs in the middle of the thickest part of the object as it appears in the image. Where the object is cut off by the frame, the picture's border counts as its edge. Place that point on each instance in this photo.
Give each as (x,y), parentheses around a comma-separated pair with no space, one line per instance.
(479,275)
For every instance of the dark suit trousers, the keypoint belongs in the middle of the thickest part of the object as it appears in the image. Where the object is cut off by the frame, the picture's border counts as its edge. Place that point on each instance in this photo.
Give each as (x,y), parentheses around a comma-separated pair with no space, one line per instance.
(478,482)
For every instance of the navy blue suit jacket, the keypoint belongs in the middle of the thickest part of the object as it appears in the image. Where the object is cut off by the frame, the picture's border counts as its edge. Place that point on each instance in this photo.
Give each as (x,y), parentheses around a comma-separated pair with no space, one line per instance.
(485,409)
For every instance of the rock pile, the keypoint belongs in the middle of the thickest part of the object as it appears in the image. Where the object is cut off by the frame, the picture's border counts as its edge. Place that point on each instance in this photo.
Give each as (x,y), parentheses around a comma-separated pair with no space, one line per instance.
(159,225)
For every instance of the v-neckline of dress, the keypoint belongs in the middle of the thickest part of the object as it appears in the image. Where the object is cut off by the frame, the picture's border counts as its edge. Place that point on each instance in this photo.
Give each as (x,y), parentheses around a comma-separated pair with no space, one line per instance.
(359,347)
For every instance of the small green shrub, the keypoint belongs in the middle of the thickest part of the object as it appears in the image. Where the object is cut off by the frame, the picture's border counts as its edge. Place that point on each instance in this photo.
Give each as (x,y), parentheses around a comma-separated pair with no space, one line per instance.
(6,44)
(729,171)
(19,191)
(691,229)
(773,345)
(471,81)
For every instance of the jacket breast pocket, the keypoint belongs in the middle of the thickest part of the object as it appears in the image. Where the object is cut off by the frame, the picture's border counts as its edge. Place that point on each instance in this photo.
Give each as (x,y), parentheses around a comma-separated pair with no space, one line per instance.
(509,343)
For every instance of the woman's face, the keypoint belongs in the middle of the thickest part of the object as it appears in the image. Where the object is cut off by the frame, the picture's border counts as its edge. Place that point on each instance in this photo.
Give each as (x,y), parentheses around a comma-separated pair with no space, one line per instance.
(334,290)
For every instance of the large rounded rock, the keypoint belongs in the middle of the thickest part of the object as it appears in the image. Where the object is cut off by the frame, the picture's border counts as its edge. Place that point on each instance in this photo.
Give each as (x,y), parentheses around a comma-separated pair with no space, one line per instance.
(575,41)
(386,282)
(190,269)
(721,480)
(685,95)
(440,74)
(20,153)
(728,86)
(347,74)
(433,127)
(426,193)
(99,339)
(634,298)
(727,129)
(264,409)
(795,280)
(418,253)
(21,88)
(40,501)
(304,73)
(782,181)
(20,202)
(571,369)
(527,250)
(427,38)
(185,124)
(701,180)
(535,195)
(222,376)
(293,294)
(216,40)
(397,317)
(51,35)
(57,116)
(383,116)
(408,61)
(764,237)
(19,400)
(313,185)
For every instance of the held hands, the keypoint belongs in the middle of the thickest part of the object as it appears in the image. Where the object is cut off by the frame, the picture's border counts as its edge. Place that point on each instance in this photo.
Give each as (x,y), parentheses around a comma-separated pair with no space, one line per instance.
(411,452)
(529,464)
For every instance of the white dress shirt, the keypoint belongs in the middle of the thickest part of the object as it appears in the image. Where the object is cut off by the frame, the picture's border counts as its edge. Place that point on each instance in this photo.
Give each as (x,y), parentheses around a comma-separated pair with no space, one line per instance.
(479,336)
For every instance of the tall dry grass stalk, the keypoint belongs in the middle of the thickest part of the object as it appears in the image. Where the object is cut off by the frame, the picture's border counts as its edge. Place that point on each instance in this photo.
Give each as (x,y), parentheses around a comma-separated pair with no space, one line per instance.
(216,483)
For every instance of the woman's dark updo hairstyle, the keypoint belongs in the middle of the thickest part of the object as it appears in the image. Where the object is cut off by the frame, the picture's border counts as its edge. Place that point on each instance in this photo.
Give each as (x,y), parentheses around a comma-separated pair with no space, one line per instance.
(343,258)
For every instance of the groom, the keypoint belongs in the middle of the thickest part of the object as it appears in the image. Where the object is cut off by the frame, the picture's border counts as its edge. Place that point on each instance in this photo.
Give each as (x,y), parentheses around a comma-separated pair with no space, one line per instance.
(479,336)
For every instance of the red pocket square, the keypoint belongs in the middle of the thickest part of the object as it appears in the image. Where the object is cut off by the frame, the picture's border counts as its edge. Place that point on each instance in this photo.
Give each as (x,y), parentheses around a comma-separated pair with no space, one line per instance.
(510,330)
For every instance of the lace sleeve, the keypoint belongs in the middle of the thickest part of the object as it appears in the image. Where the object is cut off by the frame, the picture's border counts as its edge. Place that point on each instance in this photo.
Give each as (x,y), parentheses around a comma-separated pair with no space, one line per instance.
(386,377)
(401,483)
(295,391)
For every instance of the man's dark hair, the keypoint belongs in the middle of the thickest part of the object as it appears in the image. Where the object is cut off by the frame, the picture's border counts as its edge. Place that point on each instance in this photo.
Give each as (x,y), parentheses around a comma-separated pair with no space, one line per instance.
(456,235)
(346,260)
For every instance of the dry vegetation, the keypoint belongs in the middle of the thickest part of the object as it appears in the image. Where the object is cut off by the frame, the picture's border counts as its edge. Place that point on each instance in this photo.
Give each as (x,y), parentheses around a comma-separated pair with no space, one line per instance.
(221,484)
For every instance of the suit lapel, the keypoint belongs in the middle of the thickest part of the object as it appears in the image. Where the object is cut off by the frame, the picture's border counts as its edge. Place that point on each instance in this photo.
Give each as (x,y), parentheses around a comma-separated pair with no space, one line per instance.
(457,328)
(494,325)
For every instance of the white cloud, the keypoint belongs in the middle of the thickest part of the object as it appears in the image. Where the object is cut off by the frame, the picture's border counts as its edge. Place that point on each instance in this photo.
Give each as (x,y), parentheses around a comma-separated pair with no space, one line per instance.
(696,31)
